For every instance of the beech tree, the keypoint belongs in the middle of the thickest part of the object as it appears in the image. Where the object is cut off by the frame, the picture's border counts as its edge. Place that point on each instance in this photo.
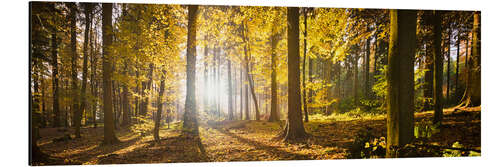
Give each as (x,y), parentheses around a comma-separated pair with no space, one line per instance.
(107,41)
(294,128)
(400,80)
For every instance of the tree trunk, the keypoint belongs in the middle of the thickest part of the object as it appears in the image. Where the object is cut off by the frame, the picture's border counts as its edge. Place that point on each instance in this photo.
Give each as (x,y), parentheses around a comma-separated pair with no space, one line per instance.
(355,82)
(274,116)
(190,124)
(125,98)
(85,69)
(241,93)
(107,36)
(55,84)
(367,65)
(74,79)
(400,77)
(448,57)
(472,95)
(156,131)
(294,127)
(457,64)
(438,68)
(230,95)
(428,77)
(247,71)
(304,90)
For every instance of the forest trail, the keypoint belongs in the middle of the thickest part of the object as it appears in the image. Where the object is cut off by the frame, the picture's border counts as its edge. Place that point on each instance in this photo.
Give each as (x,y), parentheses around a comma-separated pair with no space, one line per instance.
(244,141)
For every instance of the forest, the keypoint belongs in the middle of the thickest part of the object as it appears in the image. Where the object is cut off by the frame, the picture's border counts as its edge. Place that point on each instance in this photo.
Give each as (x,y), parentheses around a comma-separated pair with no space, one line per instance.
(116,83)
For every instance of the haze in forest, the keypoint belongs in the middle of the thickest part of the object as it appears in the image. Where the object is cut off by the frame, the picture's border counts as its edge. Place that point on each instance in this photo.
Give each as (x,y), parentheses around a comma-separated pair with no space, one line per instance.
(114,83)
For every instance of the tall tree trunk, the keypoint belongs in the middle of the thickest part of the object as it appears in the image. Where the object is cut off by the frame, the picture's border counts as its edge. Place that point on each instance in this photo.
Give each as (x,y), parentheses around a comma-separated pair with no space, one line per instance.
(218,82)
(294,126)
(205,77)
(55,84)
(83,98)
(457,64)
(159,101)
(125,98)
(448,57)
(355,82)
(241,92)
(400,77)
(93,75)
(230,95)
(247,70)
(472,94)
(367,65)
(107,36)
(438,68)
(428,77)
(304,90)
(190,123)
(74,58)
(274,116)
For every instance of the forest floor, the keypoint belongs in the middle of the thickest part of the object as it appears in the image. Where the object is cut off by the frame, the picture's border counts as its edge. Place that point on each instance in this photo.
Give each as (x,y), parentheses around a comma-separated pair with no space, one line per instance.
(330,138)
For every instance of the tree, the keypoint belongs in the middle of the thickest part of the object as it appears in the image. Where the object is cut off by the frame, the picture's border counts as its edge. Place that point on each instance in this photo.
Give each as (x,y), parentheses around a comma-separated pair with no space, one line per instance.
(400,81)
(107,41)
(274,116)
(304,93)
(472,95)
(74,58)
(87,11)
(55,83)
(438,67)
(294,126)
(156,131)
(230,95)
(190,124)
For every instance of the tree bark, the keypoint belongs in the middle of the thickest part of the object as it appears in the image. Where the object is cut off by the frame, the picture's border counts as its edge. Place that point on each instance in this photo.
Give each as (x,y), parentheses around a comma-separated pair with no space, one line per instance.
(367,65)
(75,97)
(438,67)
(230,95)
(55,84)
(107,36)
(472,95)
(159,101)
(190,124)
(274,116)
(304,90)
(400,81)
(294,127)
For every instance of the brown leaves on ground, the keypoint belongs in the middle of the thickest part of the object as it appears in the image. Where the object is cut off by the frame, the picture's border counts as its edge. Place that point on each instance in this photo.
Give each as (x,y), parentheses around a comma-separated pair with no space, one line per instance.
(242,141)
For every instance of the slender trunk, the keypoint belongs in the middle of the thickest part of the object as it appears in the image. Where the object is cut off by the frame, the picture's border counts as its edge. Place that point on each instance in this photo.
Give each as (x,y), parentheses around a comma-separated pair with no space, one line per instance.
(241,93)
(125,98)
(85,69)
(230,95)
(367,66)
(159,101)
(304,89)
(448,57)
(457,63)
(355,75)
(55,84)
(274,116)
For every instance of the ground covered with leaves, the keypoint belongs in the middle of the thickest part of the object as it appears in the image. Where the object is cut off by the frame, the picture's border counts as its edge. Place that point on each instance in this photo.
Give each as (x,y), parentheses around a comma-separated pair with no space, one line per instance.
(330,137)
